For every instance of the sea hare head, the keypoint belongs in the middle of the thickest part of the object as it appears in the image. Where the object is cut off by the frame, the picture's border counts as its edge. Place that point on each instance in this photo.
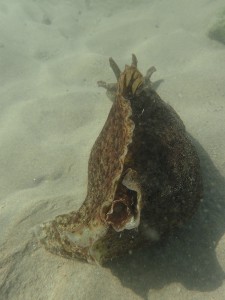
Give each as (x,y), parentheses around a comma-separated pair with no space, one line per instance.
(143,176)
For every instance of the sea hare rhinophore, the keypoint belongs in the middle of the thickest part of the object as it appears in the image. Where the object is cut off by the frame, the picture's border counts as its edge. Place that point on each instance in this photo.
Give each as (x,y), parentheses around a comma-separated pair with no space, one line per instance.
(143,176)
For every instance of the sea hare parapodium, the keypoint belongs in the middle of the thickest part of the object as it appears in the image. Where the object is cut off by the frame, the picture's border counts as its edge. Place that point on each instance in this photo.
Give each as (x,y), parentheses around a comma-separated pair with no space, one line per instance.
(143,176)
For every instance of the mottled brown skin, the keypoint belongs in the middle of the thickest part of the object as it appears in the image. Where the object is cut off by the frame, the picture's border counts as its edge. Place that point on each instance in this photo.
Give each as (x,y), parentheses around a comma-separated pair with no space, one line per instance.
(143,176)
(166,162)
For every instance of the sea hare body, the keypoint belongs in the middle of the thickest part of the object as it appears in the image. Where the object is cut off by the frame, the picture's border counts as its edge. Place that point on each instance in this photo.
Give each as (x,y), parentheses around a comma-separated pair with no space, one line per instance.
(143,176)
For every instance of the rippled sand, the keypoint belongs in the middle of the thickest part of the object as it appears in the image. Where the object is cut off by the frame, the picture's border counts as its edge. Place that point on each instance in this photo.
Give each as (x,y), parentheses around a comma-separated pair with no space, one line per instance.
(52,53)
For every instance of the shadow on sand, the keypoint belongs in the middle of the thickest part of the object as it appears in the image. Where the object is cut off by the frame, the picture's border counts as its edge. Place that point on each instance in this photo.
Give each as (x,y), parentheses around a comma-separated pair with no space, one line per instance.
(188,256)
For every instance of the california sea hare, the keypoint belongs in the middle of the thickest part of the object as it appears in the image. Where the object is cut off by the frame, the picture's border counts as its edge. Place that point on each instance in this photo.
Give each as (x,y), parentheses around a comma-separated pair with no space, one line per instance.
(143,176)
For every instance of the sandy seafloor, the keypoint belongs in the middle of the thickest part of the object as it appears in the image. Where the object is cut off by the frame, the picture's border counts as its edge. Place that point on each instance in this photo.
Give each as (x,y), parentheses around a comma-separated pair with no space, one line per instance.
(52,53)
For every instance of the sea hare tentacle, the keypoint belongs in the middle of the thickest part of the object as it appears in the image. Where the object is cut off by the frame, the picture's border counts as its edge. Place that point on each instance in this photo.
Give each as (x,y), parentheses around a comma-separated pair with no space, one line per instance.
(115,68)
(134,61)
(149,73)
(143,176)
(111,89)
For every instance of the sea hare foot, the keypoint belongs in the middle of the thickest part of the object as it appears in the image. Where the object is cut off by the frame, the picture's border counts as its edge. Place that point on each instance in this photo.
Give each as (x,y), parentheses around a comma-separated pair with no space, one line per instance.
(143,176)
